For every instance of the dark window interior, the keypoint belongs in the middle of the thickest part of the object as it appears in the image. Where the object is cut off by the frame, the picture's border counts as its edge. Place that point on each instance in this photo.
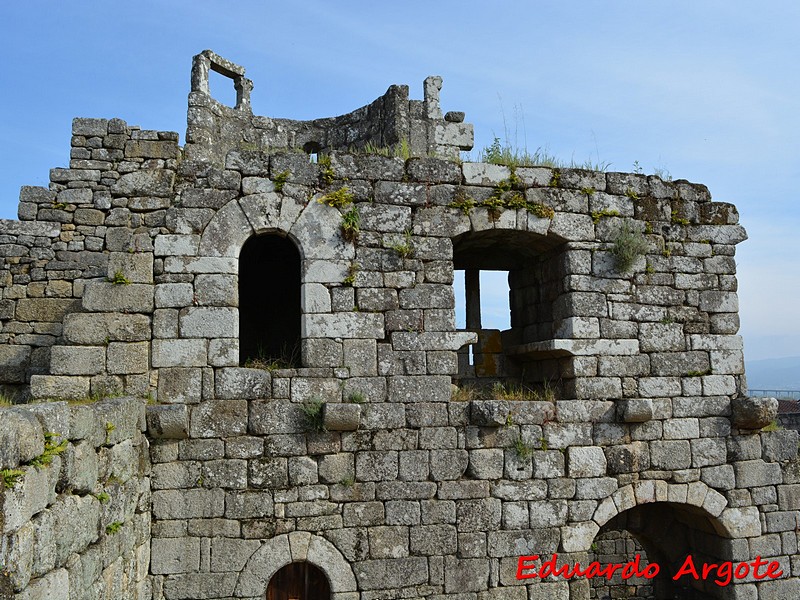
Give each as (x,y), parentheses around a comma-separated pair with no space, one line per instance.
(299,581)
(269,301)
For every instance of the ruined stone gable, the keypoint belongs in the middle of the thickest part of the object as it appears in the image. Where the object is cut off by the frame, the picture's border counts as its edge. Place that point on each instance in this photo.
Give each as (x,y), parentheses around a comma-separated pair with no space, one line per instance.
(268,312)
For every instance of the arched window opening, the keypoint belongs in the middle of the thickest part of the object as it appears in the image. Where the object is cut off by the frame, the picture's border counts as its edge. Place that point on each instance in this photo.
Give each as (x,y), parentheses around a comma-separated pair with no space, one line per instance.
(299,581)
(312,149)
(269,302)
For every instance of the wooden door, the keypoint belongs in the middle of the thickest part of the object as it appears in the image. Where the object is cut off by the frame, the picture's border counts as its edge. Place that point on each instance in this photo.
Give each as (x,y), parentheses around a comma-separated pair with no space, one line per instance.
(299,581)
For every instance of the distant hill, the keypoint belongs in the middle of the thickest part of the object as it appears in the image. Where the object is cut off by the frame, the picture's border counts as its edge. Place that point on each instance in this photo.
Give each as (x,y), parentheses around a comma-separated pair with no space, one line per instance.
(774,373)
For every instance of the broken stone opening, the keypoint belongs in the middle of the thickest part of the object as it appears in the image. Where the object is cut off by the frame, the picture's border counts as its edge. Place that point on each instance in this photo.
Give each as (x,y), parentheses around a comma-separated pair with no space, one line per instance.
(269,302)
(221,88)
(510,356)
(663,533)
(299,581)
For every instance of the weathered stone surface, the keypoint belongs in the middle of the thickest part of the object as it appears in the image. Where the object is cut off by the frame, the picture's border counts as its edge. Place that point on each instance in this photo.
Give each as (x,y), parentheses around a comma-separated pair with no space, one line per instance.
(125,298)
(168,422)
(144,183)
(754,413)
(489,413)
(242,383)
(609,396)
(341,417)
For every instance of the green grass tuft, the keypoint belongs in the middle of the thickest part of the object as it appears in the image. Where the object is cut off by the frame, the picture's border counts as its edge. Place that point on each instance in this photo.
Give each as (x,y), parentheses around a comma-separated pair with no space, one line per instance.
(629,245)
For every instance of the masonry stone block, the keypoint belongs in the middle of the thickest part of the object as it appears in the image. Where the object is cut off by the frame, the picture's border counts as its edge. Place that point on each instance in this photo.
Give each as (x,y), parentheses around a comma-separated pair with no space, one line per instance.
(216,290)
(77,360)
(708,452)
(59,387)
(14,362)
(670,454)
(432,388)
(175,555)
(448,464)
(486,463)
(208,322)
(376,466)
(174,295)
(215,418)
(180,385)
(45,309)
(588,461)
(168,422)
(779,446)
(176,244)
(243,383)
(125,298)
(144,183)
(756,473)
(360,356)
(341,417)
(126,358)
(179,353)
(132,266)
(754,413)
(343,325)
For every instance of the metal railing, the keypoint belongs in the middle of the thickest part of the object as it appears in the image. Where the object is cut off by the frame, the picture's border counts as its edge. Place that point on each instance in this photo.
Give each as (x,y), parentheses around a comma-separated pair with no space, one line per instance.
(780,394)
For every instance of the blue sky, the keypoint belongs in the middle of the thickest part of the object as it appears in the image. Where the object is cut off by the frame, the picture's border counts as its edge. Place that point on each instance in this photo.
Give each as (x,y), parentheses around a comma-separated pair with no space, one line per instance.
(706,90)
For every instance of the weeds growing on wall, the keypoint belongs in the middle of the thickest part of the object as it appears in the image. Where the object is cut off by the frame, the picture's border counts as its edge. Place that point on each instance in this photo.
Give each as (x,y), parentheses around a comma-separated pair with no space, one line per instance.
(499,153)
(629,245)
(288,358)
(351,224)
(119,279)
(52,448)
(114,527)
(313,412)
(352,271)
(326,172)
(463,202)
(524,451)
(601,214)
(338,199)
(503,391)
(404,249)
(11,477)
(402,149)
(279,180)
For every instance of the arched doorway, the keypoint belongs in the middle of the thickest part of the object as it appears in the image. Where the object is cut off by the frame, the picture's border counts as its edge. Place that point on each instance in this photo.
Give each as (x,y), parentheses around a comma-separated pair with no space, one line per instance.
(664,533)
(269,302)
(299,581)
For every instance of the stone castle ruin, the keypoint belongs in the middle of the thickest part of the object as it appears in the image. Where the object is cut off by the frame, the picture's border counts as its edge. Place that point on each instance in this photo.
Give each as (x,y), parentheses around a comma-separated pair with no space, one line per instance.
(235,372)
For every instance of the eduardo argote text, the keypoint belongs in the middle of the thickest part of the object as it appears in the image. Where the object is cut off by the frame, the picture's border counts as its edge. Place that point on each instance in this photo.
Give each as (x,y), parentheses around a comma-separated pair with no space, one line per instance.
(722,573)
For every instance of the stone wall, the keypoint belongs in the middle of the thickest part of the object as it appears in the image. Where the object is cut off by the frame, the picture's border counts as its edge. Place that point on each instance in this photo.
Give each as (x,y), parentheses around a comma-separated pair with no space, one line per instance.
(614,403)
(74,501)
(391,121)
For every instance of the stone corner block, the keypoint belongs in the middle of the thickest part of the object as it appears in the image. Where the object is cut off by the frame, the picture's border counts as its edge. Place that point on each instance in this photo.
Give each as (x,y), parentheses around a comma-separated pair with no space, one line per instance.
(753,413)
